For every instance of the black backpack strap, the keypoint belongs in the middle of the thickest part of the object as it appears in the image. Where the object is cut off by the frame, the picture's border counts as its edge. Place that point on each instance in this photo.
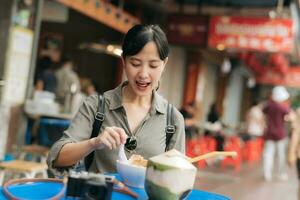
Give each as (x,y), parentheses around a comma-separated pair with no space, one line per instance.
(170,129)
(99,118)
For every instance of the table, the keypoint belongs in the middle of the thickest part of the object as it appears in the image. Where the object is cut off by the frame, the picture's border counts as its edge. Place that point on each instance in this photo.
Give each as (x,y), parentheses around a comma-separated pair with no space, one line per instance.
(42,191)
(41,118)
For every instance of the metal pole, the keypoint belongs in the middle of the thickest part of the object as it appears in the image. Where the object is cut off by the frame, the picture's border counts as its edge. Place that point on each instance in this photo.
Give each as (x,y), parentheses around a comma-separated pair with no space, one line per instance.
(37,27)
(279,8)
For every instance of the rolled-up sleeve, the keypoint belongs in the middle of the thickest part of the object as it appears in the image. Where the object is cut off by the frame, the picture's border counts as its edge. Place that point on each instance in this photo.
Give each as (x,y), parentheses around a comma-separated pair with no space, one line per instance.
(79,129)
(178,139)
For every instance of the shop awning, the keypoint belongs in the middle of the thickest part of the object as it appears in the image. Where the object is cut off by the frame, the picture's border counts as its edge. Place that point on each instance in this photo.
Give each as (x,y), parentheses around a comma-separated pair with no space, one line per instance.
(103,12)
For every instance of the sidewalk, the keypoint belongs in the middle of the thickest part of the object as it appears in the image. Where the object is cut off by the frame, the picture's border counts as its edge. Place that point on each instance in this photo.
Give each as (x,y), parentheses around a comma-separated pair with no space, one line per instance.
(247,184)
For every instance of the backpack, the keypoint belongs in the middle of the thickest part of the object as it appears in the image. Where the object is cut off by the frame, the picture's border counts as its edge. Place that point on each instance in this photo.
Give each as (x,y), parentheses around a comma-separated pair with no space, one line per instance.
(99,118)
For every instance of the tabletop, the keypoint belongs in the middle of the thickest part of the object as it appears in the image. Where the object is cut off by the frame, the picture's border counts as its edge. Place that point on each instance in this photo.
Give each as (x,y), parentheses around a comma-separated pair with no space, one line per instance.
(44,190)
(33,192)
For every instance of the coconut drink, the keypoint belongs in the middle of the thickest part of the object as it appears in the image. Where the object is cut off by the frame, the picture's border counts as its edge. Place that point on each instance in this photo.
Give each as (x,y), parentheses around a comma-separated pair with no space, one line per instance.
(169,176)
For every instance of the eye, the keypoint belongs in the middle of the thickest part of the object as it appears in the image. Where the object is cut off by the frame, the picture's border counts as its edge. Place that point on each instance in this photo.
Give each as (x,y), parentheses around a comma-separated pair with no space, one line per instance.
(154,66)
(135,64)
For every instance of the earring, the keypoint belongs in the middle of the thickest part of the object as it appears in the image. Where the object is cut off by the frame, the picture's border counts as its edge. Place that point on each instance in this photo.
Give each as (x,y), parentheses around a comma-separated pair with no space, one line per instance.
(158,84)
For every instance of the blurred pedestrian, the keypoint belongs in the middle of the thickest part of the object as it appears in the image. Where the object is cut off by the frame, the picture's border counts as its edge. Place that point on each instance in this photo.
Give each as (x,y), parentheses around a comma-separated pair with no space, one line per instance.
(189,113)
(91,89)
(275,135)
(255,122)
(67,80)
(213,115)
(88,87)
(213,118)
(294,150)
(45,75)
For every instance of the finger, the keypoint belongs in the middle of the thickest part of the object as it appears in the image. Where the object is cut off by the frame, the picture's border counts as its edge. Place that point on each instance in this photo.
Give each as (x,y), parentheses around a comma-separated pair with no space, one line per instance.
(116,136)
(111,140)
(122,134)
(106,143)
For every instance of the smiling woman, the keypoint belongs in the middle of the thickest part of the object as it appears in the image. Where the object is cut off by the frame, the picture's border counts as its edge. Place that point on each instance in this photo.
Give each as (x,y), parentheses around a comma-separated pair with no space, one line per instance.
(135,113)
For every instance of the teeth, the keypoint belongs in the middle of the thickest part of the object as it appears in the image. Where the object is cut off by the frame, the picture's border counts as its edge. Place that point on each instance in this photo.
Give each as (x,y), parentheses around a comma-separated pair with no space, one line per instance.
(142,84)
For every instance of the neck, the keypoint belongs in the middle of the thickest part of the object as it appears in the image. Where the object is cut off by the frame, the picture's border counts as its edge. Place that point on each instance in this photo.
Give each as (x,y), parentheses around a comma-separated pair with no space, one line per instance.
(130,97)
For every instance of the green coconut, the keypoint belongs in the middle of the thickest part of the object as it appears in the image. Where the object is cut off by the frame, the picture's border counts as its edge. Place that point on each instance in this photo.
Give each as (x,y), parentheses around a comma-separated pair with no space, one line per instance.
(169,176)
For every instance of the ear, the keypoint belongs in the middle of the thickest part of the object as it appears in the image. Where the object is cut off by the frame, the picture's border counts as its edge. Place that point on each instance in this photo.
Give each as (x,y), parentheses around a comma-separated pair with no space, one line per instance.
(123,61)
(166,60)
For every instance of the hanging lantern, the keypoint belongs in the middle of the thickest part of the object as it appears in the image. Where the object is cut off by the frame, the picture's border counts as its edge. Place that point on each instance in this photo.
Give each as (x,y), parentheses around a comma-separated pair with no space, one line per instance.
(251,82)
(226,66)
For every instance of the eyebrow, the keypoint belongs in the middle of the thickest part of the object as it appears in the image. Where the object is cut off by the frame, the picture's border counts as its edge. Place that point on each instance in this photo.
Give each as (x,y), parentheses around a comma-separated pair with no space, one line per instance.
(136,59)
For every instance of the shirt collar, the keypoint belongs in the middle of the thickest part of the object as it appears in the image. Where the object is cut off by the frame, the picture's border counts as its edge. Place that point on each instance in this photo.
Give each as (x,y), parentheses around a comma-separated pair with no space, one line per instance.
(159,103)
(115,96)
(115,100)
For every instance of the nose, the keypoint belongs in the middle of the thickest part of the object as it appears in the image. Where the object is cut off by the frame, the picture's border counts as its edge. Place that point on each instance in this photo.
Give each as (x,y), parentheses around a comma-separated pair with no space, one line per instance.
(144,72)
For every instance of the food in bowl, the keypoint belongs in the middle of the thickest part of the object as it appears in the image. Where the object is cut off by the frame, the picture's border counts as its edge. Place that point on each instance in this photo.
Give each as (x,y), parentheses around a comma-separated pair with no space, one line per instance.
(133,172)
(169,176)
(138,160)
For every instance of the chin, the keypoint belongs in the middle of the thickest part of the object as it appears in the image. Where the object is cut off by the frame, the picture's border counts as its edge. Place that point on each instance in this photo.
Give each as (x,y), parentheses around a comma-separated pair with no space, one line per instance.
(146,92)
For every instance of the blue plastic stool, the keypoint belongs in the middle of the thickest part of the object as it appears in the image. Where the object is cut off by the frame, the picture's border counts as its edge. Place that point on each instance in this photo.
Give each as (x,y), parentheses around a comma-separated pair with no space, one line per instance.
(8,157)
(57,126)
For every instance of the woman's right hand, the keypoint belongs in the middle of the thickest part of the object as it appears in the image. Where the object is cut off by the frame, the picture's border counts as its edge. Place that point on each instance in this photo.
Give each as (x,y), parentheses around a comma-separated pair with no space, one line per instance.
(111,137)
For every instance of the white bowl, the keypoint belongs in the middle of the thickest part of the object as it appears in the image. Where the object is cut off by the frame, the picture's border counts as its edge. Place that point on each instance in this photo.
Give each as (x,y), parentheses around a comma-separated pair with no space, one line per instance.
(132,175)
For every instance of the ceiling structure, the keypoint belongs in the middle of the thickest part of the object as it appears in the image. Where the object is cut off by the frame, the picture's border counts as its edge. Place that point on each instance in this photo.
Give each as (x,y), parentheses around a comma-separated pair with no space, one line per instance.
(233,3)
(155,10)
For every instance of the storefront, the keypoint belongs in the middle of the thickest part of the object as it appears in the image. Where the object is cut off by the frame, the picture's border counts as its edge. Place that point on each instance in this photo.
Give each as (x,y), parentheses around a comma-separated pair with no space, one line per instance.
(258,49)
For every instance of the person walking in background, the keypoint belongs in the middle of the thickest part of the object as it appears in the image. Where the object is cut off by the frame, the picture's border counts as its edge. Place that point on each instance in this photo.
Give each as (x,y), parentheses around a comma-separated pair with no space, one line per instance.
(275,135)
(294,147)
(189,113)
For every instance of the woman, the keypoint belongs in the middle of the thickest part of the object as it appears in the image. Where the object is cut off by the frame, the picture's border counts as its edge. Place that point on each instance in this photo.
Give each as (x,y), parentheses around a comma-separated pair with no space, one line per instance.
(134,109)
(276,112)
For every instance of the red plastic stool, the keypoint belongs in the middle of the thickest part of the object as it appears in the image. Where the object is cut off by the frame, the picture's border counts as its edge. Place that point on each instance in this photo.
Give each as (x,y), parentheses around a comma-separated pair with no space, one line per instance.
(234,144)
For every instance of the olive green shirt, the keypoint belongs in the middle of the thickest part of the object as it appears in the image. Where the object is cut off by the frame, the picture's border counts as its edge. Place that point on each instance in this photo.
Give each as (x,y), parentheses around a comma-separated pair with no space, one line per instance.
(150,134)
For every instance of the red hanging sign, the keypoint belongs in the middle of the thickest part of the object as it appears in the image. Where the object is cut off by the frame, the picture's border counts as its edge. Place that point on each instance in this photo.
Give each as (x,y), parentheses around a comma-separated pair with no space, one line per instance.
(250,33)
(290,78)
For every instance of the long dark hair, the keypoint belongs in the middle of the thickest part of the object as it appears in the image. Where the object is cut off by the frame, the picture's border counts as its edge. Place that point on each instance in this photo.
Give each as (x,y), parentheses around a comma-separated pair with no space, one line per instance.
(139,35)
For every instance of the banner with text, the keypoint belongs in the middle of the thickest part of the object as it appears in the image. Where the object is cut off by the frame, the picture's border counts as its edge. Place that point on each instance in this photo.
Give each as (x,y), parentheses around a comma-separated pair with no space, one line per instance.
(251,33)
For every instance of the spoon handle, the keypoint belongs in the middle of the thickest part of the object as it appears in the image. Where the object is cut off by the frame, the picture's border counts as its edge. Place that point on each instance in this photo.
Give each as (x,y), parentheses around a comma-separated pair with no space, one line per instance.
(212,154)
(122,155)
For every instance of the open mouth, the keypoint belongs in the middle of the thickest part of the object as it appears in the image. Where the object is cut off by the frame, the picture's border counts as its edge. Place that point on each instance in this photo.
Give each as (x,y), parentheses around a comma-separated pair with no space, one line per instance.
(142,84)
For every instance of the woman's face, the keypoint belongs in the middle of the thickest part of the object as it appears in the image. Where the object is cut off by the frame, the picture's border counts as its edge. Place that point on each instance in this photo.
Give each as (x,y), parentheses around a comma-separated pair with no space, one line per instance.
(144,69)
